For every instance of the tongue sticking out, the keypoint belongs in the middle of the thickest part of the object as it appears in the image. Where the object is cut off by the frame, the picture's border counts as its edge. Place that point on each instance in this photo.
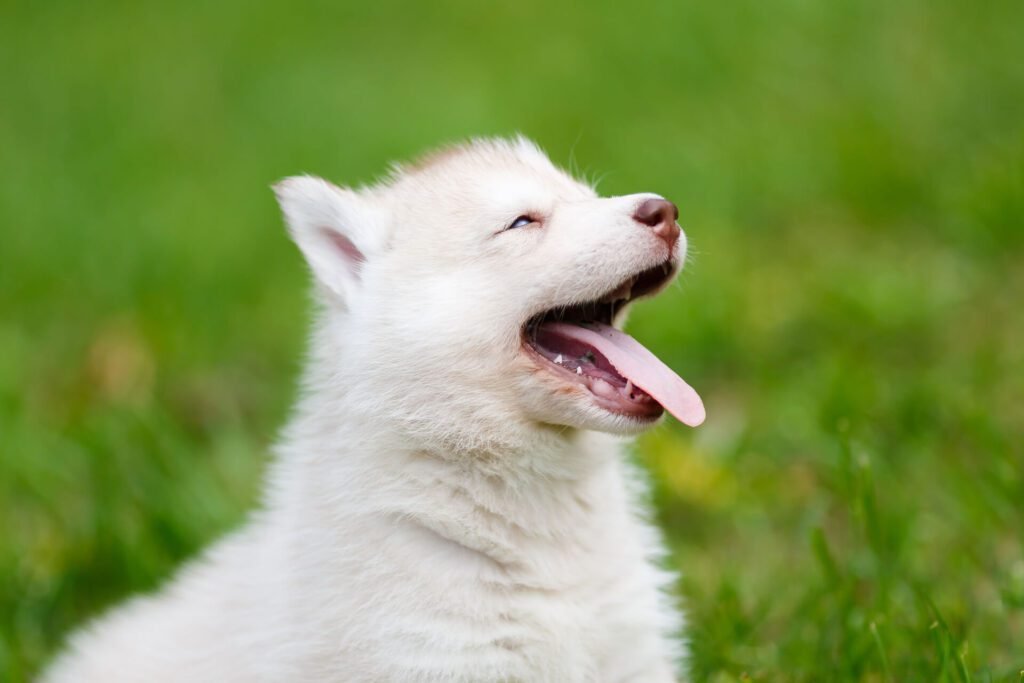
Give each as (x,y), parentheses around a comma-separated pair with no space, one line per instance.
(634,362)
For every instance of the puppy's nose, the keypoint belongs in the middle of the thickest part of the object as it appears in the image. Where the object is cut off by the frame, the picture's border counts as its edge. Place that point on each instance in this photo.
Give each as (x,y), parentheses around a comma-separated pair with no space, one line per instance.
(660,215)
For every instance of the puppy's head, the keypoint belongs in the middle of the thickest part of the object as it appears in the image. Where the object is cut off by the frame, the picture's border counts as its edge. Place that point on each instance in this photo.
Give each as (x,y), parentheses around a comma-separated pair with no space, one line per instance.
(477,296)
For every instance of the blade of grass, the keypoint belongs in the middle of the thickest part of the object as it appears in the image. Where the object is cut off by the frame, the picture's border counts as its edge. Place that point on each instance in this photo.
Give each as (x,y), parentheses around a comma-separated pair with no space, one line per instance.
(881,651)
(961,660)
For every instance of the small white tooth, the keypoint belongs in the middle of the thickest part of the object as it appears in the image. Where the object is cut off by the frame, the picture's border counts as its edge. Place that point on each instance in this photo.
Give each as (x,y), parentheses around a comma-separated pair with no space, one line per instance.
(629,386)
(558,359)
(579,370)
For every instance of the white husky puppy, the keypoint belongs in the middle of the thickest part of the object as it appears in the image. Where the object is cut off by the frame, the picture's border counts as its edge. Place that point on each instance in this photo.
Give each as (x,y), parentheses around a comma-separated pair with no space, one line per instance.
(449,501)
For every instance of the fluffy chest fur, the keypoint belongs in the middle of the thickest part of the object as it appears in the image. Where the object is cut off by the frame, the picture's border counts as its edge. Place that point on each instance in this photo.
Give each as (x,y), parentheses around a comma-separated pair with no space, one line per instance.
(468,571)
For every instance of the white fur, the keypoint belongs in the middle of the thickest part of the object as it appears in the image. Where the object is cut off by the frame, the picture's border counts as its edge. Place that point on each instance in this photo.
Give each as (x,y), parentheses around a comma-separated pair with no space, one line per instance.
(439,510)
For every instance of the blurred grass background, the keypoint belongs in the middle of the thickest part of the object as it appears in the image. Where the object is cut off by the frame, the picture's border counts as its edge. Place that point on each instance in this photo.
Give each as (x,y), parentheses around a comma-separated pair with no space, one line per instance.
(851,175)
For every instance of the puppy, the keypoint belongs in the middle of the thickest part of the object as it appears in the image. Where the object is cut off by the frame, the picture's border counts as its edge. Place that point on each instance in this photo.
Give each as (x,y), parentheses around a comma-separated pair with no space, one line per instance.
(449,501)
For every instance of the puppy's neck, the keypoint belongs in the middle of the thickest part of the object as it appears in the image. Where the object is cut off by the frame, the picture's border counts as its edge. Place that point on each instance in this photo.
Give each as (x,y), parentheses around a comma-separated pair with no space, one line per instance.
(497,504)
(332,432)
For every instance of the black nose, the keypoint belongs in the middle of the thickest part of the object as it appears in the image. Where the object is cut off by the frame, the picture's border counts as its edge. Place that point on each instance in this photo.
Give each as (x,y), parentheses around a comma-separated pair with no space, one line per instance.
(659,215)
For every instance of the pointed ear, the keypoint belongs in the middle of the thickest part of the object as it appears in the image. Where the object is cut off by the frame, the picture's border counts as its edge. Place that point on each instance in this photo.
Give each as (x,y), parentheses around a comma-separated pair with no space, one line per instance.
(335,229)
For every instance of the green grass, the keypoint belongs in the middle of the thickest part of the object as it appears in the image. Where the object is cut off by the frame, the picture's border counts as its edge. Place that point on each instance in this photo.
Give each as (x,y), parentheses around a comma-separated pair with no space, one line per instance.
(851,175)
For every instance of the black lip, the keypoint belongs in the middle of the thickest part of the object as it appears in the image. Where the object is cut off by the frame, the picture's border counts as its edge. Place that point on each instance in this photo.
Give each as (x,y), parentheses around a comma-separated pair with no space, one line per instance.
(652,280)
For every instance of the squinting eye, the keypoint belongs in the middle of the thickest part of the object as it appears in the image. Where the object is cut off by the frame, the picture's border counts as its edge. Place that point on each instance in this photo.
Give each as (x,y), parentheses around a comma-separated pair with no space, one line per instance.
(520,222)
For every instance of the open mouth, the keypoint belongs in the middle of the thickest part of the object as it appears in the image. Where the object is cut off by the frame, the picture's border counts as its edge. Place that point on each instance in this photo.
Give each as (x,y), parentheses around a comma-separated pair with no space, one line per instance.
(580,345)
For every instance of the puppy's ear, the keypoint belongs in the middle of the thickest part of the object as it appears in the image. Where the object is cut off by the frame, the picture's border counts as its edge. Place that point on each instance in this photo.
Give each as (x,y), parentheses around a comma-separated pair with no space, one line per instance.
(336,230)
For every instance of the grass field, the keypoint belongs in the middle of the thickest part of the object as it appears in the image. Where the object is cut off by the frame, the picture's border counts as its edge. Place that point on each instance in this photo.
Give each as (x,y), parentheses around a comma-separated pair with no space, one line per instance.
(851,176)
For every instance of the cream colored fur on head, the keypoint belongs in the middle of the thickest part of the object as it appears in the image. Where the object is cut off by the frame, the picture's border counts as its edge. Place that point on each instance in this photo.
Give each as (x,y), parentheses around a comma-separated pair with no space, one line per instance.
(438,510)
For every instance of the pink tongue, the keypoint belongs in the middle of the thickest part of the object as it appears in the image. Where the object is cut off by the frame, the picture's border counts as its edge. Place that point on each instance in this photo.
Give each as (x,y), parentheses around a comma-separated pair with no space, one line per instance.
(636,363)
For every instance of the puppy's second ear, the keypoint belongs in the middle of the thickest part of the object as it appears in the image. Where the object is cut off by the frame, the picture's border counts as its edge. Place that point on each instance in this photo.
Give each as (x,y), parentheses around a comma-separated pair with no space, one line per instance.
(334,228)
